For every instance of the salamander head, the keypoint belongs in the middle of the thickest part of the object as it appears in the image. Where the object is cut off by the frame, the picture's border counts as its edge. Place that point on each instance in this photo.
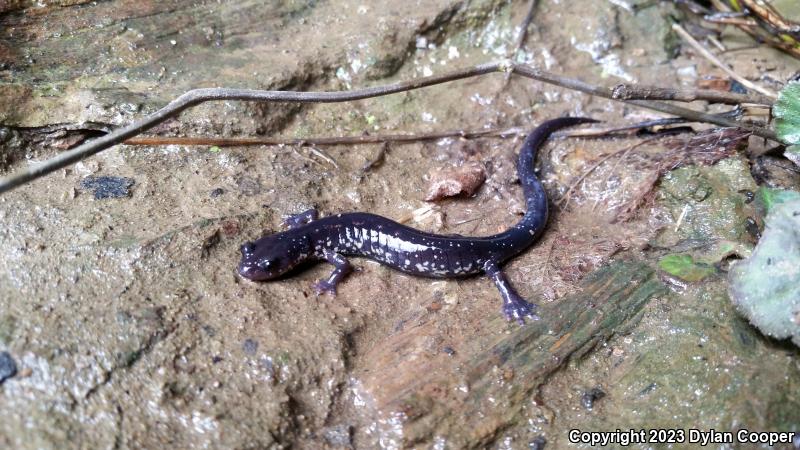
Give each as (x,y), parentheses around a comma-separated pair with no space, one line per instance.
(273,256)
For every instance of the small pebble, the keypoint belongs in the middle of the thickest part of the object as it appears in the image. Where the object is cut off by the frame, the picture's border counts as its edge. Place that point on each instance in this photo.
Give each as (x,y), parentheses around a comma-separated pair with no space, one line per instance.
(751,226)
(8,368)
(217,192)
(339,436)
(108,187)
(250,346)
(538,443)
(749,196)
(592,395)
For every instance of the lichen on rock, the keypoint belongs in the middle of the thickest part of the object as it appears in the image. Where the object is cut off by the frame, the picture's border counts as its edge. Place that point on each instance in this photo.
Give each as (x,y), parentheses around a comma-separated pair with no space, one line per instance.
(765,287)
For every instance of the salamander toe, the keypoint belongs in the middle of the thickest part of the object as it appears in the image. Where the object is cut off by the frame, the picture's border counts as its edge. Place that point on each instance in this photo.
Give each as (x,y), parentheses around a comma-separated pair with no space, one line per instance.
(518,309)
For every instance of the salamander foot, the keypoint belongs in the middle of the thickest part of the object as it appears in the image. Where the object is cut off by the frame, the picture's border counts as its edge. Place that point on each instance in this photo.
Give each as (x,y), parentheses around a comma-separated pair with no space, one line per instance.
(341,268)
(514,306)
(518,309)
(323,286)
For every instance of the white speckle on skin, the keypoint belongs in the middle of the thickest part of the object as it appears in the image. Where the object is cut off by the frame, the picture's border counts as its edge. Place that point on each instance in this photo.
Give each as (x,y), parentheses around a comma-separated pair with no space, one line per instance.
(452,52)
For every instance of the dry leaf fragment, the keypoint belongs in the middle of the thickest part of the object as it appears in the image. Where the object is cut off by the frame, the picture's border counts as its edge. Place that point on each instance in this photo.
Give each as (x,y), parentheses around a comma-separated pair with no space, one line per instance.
(454,181)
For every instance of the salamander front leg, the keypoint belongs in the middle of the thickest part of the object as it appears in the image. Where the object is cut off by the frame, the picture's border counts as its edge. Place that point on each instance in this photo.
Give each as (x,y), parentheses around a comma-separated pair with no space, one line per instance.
(514,306)
(341,268)
(298,220)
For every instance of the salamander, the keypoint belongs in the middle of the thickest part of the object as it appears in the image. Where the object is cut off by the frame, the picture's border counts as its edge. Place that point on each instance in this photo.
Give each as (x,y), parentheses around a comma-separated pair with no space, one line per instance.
(333,238)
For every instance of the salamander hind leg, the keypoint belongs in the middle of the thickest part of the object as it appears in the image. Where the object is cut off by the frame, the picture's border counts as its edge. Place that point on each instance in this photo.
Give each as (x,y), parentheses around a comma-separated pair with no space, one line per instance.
(342,267)
(298,220)
(514,306)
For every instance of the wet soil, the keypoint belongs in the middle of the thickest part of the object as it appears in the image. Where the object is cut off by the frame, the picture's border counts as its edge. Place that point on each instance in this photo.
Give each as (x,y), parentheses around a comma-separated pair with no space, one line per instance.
(129,327)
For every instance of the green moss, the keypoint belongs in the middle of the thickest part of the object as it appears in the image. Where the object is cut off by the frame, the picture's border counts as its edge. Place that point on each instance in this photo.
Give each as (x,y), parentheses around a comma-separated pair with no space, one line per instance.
(707,203)
(685,267)
(702,365)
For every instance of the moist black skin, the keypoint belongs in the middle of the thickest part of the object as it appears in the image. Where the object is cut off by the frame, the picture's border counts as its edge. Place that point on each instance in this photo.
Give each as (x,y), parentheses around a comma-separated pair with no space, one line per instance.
(406,249)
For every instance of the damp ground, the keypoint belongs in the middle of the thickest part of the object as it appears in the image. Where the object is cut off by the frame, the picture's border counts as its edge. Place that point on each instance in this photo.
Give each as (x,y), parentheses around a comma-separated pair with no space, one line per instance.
(128,326)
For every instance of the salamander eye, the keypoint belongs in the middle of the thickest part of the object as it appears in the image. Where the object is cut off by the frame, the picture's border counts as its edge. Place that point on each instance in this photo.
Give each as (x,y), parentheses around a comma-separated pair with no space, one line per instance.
(248,248)
(266,264)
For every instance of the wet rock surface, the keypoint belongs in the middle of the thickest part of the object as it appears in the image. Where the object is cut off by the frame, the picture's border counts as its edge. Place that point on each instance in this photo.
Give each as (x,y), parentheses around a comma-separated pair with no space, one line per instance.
(129,327)
(8,368)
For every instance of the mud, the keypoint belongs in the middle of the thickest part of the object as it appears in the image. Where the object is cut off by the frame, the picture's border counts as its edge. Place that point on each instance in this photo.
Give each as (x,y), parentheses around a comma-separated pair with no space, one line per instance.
(129,327)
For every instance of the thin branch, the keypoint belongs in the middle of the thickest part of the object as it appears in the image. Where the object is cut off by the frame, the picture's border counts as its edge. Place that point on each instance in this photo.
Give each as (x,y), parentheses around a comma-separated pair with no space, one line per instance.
(629,92)
(344,140)
(607,131)
(197,96)
(704,52)
(389,138)
(523,32)
(578,85)
(521,38)
(770,15)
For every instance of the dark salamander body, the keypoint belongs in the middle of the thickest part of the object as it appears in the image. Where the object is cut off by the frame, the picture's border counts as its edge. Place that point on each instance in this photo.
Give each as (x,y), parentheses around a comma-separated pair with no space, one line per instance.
(406,249)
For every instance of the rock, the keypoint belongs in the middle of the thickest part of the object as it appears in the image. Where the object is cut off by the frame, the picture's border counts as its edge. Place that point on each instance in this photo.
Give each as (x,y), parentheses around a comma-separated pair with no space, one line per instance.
(8,368)
(108,187)
(339,436)
(250,346)
(467,403)
(592,395)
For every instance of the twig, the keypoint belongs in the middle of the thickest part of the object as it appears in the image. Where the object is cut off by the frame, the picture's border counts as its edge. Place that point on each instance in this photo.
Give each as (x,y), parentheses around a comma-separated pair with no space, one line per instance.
(324,156)
(503,132)
(681,217)
(306,158)
(523,32)
(628,92)
(769,14)
(197,96)
(523,36)
(756,18)
(320,141)
(600,91)
(605,131)
(714,60)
